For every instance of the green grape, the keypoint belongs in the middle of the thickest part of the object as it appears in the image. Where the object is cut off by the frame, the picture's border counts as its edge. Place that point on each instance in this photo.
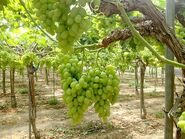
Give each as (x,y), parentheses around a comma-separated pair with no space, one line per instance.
(68,99)
(82,2)
(70,21)
(64,35)
(74,94)
(96,79)
(97,3)
(95,85)
(75,102)
(181,124)
(74,11)
(74,28)
(65,86)
(100,91)
(85,85)
(69,2)
(82,11)
(101,102)
(88,94)
(181,118)
(73,110)
(78,19)
(80,99)
(77,87)
(183,114)
(87,101)
(81,81)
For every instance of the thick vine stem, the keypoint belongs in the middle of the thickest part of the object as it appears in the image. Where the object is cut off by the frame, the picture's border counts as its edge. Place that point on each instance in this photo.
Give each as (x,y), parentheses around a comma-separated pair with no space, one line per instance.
(139,37)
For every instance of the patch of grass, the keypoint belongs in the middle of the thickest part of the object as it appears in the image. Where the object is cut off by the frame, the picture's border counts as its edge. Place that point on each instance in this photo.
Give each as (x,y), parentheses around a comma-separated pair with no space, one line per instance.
(127,97)
(95,126)
(154,94)
(159,114)
(23,91)
(53,101)
(92,128)
(132,84)
(3,107)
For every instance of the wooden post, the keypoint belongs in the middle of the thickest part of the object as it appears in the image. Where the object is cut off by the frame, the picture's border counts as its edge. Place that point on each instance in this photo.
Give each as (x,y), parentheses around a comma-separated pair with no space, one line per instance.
(4,81)
(169,74)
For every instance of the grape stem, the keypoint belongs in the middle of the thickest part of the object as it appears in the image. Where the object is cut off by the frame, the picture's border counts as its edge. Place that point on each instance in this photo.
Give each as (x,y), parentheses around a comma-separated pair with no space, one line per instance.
(95,45)
(83,59)
(92,50)
(136,34)
(23,4)
(97,55)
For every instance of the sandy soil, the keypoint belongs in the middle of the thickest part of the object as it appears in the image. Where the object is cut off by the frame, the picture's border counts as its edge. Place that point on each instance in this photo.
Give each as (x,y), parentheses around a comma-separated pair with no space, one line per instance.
(53,123)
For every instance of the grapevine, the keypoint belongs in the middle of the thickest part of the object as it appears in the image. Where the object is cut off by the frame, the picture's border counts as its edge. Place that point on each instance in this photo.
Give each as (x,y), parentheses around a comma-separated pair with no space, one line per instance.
(85,87)
(5,58)
(65,18)
(28,58)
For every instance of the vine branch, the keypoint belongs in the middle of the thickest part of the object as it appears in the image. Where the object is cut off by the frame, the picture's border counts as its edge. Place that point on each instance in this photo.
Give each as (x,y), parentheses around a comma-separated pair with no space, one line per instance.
(139,37)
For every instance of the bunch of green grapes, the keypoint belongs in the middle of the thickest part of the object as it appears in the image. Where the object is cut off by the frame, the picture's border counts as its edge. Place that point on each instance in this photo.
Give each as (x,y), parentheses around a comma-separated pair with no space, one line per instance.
(43,12)
(65,18)
(181,122)
(105,84)
(82,88)
(3,3)
(75,96)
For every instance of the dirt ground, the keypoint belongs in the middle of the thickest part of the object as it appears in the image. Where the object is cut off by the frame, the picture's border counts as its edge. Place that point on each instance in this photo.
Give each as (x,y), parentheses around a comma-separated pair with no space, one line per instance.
(53,123)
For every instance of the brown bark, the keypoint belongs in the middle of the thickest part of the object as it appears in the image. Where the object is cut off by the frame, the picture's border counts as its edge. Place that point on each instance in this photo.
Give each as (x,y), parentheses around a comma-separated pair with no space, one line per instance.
(32,102)
(156,79)
(142,102)
(12,80)
(4,80)
(165,34)
(162,75)
(46,76)
(179,7)
(36,76)
(181,19)
(136,79)
(54,82)
(160,29)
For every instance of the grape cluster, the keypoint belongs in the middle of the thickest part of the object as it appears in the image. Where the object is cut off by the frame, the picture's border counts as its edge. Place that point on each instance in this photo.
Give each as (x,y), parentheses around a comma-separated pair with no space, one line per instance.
(66,18)
(73,88)
(181,122)
(105,84)
(82,88)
